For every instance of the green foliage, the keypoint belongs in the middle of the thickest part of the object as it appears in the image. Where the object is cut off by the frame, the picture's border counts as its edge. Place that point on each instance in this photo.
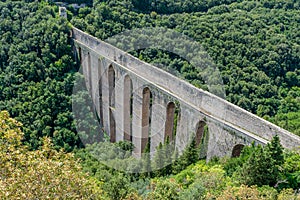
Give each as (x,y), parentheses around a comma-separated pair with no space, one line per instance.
(178,6)
(117,186)
(36,72)
(159,160)
(125,145)
(194,191)
(263,165)
(44,173)
(291,171)
(253,43)
(164,189)
(75,1)
(245,192)
(276,151)
(189,156)
(233,164)
(146,159)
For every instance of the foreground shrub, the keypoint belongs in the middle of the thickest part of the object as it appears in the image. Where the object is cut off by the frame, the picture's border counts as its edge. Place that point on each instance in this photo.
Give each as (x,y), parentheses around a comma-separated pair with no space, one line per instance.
(41,174)
(241,193)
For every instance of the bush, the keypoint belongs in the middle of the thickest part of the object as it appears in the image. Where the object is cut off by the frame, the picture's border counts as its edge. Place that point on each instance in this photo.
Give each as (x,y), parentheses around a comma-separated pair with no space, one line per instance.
(40,174)
(164,189)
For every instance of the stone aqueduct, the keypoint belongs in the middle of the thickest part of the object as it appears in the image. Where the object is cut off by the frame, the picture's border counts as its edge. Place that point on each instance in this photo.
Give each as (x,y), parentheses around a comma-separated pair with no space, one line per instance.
(138,102)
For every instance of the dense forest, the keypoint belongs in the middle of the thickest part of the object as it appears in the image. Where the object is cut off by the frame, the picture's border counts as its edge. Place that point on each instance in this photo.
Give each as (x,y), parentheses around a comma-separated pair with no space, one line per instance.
(36,72)
(255,45)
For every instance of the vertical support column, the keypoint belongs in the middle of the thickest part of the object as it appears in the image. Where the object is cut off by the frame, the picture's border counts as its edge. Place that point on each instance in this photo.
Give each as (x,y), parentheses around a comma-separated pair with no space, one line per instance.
(94,81)
(105,95)
(84,66)
(158,119)
(137,118)
(182,136)
(127,108)
(216,141)
(186,127)
(118,108)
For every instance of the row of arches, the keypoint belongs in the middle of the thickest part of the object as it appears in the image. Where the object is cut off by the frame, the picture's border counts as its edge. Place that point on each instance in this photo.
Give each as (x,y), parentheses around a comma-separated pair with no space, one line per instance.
(172,114)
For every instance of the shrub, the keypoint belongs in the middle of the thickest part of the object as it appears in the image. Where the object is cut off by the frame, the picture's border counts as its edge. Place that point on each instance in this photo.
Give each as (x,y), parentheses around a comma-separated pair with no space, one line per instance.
(40,174)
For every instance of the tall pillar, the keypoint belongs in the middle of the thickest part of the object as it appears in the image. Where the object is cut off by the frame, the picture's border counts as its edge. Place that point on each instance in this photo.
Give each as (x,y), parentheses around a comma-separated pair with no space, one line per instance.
(158,120)
(137,118)
(105,95)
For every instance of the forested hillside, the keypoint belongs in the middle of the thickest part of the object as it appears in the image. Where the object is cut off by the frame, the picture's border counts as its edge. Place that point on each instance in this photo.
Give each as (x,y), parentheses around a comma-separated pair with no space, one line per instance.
(255,45)
(36,72)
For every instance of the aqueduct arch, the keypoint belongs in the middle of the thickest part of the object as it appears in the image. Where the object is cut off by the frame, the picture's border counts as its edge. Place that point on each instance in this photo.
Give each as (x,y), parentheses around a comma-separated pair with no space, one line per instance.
(237,149)
(227,123)
(169,125)
(127,106)
(200,128)
(111,89)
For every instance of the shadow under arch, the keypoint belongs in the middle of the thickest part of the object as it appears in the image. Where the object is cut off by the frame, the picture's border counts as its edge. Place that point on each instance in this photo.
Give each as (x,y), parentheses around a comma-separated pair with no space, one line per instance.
(146,117)
(200,132)
(236,151)
(169,124)
(127,108)
(111,88)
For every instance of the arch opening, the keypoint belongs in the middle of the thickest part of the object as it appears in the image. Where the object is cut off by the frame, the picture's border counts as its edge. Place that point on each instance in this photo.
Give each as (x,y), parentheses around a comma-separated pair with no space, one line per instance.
(236,151)
(200,128)
(127,106)
(146,118)
(111,88)
(169,125)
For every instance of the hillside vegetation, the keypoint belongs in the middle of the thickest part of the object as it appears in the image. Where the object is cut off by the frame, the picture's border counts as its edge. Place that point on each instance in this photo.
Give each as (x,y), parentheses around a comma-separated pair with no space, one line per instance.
(41,174)
(255,44)
(36,72)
